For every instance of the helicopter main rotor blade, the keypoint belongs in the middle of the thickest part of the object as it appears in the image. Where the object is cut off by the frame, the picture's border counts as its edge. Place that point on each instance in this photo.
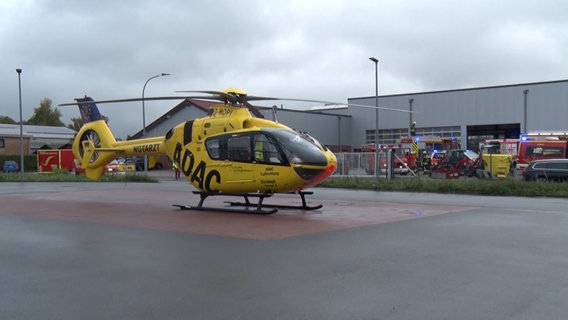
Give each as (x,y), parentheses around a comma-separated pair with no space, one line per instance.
(255,98)
(130,100)
(243,98)
(236,97)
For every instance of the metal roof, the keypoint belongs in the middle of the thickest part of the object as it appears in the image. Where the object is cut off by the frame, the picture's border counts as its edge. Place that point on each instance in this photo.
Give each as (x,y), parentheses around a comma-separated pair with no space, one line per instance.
(11,130)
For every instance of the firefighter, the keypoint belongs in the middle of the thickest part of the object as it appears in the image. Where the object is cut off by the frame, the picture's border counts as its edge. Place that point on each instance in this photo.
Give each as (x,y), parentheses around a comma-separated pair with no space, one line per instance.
(426,161)
(177,172)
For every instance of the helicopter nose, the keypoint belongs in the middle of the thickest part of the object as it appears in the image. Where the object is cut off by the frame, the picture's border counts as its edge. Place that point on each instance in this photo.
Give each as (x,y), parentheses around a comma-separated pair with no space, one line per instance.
(328,171)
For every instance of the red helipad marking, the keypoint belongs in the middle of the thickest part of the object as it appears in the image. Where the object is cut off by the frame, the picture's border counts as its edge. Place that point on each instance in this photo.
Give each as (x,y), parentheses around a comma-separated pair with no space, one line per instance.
(154,210)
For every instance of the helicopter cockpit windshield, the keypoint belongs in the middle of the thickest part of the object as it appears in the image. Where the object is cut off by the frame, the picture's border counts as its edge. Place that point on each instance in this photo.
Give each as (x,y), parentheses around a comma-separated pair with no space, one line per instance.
(298,147)
(274,146)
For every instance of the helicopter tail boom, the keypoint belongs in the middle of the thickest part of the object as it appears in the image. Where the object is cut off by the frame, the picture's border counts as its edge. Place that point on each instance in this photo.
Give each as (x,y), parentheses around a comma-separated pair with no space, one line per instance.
(95,146)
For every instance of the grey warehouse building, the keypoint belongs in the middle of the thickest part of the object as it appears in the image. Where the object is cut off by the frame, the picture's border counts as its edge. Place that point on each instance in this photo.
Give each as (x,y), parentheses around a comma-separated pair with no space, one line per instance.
(469,115)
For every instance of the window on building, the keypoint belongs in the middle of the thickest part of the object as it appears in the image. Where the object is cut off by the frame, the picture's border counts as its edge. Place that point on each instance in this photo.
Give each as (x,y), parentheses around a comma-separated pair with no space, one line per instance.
(2,144)
(444,132)
(386,136)
(391,136)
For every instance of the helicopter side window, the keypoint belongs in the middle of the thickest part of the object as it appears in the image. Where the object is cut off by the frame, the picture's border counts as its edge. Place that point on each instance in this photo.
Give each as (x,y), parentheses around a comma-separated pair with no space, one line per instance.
(217,148)
(239,148)
(213,148)
(265,150)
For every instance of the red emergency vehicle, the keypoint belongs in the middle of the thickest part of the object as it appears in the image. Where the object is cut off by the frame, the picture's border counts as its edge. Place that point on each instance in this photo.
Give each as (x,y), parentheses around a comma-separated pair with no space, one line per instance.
(502,146)
(542,145)
(430,144)
(434,147)
(530,150)
(63,159)
(404,159)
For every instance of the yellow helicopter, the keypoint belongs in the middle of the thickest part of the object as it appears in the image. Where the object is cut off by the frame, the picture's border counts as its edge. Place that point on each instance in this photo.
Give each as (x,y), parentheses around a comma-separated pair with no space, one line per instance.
(228,152)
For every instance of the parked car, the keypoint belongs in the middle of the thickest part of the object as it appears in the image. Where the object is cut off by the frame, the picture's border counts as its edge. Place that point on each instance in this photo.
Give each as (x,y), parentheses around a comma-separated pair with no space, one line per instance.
(140,165)
(547,170)
(119,165)
(10,166)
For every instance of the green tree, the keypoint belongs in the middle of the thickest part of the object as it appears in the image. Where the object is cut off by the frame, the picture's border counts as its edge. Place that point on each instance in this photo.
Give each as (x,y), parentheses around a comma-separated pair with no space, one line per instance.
(7,120)
(45,115)
(76,124)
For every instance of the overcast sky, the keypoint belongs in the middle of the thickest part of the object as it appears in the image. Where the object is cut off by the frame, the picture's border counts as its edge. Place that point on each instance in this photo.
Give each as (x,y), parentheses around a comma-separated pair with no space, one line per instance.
(308,49)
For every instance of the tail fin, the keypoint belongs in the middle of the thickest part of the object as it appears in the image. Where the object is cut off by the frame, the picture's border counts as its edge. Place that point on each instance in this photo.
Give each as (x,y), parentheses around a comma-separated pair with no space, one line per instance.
(94,145)
(88,109)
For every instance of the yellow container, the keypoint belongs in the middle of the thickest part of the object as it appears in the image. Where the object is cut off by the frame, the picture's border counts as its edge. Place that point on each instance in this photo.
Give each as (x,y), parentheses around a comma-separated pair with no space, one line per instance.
(499,165)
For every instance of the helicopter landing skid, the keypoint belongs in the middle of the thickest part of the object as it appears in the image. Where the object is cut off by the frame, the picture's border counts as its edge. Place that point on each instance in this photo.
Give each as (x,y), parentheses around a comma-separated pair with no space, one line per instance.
(302,194)
(259,206)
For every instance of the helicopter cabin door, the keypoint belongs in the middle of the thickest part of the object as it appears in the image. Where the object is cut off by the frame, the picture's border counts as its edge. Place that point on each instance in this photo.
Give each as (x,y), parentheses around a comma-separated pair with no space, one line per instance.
(246,158)
(234,152)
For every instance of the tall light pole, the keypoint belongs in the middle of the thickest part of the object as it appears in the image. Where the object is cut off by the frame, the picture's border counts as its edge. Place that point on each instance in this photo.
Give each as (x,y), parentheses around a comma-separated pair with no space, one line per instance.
(410,101)
(376,61)
(19,71)
(526,93)
(144,115)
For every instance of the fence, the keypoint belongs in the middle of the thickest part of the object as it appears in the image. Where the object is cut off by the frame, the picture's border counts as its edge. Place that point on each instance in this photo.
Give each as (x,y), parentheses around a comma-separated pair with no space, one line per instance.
(362,164)
(357,164)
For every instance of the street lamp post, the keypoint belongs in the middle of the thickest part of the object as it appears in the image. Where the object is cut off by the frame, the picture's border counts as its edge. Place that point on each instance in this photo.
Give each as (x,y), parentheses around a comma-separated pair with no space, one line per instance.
(376,61)
(19,71)
(144,115)
(525,92)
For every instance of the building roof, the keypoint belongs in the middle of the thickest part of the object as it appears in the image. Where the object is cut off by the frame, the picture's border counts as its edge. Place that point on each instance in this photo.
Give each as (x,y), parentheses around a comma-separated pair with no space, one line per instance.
(465,89)
(200,104)
(13,130)
(40,136)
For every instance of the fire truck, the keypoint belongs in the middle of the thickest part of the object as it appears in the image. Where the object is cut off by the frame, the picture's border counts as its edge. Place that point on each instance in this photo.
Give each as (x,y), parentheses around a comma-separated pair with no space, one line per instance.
(404,160)
(431,146)
(432,143)
(408,152)
(535,146)
(63,159)
(501,146)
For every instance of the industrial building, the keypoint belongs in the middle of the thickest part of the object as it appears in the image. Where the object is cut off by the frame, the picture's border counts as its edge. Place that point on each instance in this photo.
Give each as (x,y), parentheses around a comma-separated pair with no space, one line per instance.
(469,115)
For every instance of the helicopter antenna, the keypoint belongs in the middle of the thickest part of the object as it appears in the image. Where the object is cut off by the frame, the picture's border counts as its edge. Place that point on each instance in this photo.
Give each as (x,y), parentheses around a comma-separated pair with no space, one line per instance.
(274,108)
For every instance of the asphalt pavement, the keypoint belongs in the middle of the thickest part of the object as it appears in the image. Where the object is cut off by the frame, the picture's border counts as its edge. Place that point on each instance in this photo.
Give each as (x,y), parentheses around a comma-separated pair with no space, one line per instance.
(122,251)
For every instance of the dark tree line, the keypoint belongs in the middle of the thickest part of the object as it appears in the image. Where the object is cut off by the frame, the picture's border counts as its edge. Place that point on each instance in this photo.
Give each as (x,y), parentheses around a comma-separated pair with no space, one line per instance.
(46,115)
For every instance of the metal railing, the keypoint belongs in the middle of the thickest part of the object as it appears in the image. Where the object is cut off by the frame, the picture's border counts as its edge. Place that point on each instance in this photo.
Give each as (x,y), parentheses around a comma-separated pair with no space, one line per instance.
(362,164)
